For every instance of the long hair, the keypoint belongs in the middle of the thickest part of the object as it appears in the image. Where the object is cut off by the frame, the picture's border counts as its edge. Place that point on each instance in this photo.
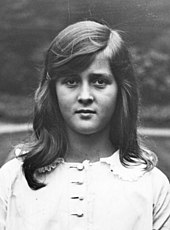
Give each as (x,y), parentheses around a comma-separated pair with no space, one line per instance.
(74,49)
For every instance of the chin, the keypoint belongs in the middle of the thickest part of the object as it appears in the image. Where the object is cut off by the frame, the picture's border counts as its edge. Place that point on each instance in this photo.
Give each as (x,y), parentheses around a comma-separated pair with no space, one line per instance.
(87,131)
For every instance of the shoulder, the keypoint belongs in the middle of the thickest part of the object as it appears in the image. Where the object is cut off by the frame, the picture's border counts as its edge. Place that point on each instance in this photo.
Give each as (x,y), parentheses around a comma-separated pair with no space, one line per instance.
(9,173)
(10,170)
(160,190)
(161,199)
(156,172)
(159,177)
(160,181)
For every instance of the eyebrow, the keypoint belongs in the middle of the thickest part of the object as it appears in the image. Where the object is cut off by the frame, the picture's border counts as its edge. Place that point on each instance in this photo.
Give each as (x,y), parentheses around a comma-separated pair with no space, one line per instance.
(91,76)
(96,75)
(68,75)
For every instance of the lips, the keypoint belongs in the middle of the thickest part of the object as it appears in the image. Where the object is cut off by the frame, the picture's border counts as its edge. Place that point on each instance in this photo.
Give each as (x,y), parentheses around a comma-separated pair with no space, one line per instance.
(85,111)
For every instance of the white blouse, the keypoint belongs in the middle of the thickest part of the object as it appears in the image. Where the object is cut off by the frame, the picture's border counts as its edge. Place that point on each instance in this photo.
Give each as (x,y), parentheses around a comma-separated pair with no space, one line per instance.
(85,196)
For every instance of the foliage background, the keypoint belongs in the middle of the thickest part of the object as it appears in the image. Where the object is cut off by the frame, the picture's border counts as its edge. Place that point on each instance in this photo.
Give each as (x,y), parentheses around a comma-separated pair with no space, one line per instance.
(27,27)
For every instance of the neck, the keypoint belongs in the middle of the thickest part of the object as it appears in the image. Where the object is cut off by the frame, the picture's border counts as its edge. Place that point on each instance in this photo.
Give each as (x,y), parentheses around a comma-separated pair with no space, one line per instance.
(88,147)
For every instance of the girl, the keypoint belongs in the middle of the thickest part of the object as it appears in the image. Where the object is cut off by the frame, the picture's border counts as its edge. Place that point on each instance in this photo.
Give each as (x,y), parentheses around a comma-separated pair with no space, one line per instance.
(85,168)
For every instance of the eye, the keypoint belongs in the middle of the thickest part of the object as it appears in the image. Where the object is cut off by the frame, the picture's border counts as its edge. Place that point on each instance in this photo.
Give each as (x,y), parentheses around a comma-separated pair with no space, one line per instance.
(100,83)
(71,82)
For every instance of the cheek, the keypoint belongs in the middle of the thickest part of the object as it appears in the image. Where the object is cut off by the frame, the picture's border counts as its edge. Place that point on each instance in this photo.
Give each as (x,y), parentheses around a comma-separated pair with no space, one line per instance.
(62,100)
(109,108)
(111,98)
(63,104)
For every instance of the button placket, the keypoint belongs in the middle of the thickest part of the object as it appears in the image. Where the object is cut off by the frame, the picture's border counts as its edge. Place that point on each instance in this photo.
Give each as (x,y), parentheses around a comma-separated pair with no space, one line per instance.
(77,187)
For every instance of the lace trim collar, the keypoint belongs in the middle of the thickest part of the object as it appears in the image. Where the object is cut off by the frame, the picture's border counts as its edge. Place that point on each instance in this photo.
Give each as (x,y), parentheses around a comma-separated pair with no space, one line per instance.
(130,173)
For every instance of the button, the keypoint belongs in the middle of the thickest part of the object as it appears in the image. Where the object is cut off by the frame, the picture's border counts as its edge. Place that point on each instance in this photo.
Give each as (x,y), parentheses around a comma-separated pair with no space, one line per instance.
(80,167)
(77,197)
(72,166)
(78,214)
(74,197)
(78,182)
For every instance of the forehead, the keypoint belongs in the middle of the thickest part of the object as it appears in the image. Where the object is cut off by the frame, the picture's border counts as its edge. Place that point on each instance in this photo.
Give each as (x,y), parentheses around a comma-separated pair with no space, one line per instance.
(99,65)
(93,63)
(101,59)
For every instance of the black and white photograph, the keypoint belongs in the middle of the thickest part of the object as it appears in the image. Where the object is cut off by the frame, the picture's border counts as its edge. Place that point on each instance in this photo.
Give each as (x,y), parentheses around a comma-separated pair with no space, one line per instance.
(85,115)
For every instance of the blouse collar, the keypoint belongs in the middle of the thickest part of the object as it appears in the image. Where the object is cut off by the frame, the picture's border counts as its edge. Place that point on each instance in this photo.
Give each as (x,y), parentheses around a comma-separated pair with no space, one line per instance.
(132,172)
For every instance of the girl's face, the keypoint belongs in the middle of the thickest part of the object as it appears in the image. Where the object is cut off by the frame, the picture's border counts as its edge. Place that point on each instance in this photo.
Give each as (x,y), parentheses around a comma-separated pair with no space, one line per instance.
(87,100)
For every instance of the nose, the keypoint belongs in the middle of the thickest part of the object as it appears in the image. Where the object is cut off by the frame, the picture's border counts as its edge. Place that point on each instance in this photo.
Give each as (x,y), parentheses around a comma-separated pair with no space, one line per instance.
(85,96)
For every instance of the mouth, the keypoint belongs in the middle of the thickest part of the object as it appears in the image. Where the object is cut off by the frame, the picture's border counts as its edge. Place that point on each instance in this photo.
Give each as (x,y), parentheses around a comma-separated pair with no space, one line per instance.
(85,111)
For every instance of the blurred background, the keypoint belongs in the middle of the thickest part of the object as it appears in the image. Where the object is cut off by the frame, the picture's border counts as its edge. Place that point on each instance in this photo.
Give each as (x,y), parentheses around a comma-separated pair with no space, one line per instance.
(27,27)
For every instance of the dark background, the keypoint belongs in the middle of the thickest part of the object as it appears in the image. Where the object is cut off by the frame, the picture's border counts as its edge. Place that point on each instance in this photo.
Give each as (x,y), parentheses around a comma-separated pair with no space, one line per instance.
(27,27)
